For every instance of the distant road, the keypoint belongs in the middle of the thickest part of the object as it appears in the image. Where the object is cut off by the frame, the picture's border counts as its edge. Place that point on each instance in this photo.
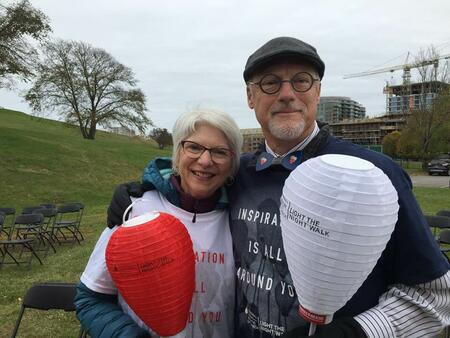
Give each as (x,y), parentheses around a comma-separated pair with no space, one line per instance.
(431,181)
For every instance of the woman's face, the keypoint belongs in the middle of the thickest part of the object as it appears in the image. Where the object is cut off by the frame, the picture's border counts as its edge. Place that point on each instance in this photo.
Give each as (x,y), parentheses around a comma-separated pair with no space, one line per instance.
(201,177)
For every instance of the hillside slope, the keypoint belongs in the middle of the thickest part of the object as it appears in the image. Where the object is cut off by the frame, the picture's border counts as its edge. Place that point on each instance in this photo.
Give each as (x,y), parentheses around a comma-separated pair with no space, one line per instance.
(47,161)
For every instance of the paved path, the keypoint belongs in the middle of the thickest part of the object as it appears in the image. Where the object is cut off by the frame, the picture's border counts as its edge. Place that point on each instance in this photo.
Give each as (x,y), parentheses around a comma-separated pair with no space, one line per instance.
(431,181)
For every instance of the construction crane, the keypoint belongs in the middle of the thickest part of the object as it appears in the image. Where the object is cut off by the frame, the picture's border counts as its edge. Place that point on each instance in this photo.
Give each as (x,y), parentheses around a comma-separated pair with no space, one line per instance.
(406,67)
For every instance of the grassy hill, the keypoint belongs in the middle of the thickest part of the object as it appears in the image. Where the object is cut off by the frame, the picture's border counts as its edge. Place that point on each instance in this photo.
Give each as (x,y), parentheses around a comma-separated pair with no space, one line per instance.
(47,161)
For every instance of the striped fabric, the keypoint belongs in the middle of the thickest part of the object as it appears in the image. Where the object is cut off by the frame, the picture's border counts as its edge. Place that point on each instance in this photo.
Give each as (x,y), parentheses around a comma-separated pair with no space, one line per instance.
(404,311)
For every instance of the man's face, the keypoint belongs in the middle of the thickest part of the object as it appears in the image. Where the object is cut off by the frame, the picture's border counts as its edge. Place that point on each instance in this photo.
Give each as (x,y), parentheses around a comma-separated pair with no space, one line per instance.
(286,117)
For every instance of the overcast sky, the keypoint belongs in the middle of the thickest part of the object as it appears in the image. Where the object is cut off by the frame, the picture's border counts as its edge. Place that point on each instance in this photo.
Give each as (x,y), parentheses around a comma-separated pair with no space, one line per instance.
(189,54)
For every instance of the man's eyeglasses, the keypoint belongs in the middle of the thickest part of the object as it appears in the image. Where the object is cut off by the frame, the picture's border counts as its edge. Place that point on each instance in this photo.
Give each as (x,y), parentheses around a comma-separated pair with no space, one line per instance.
(218,155)
(271,83)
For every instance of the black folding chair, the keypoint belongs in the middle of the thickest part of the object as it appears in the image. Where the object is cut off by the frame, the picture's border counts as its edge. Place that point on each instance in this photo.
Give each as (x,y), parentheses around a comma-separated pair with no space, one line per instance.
(444,240)
(80,216)
(29,210)
(48,205)
(67,225)
(27,238)
(48,296)
(9,214)
(27,225)
(47,227)
(445,213)
(437,222)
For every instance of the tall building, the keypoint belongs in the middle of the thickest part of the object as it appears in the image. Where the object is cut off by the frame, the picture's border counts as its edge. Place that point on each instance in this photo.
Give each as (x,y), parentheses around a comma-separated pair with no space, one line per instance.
(333,109)
(404,98)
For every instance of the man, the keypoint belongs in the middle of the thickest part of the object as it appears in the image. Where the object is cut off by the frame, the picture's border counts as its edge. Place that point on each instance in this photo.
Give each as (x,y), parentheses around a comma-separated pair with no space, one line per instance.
(408,292)
(406,295)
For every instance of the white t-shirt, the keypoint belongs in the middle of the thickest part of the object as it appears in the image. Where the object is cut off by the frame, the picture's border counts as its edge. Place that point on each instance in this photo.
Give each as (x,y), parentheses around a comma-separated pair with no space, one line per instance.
(212,308)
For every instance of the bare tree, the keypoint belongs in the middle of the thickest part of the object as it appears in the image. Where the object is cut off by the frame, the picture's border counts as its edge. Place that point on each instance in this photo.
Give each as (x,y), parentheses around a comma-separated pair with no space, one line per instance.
(20,23)
(431,116)
(88,87)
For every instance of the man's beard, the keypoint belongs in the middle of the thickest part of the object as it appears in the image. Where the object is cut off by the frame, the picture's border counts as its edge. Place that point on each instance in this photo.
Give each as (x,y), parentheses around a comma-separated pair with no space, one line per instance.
(285,130)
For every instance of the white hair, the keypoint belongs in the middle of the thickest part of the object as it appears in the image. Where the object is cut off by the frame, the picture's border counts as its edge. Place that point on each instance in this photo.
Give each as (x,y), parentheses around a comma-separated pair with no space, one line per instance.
(187,123)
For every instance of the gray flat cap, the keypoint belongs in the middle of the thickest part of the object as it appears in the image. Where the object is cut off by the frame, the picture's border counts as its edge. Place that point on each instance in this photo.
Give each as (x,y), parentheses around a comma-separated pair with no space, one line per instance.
(283,48)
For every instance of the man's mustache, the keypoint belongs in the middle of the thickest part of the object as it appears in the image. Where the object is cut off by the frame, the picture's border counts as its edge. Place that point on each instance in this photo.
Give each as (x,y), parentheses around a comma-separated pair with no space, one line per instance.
(286,109)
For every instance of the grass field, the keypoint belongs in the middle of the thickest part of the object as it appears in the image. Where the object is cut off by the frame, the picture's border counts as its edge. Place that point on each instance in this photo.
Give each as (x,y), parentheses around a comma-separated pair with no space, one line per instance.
(46,161)
(431,200)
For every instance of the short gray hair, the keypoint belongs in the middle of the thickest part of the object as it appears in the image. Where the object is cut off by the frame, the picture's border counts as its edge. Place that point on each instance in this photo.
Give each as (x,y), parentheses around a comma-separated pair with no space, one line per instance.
(187,123)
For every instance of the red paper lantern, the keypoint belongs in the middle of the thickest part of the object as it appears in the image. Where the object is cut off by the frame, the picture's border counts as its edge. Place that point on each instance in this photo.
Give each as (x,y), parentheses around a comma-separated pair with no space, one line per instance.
(151,261)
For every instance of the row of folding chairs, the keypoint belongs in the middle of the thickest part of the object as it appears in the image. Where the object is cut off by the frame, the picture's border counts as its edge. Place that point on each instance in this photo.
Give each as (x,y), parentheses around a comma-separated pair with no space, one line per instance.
(38,229)
(440,225)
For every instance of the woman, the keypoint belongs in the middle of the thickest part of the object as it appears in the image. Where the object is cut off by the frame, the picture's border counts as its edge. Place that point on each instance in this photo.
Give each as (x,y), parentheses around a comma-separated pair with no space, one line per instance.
(206,151)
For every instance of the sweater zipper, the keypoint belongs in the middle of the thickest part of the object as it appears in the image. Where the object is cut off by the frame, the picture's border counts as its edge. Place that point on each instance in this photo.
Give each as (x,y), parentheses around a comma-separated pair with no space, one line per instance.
(194,218)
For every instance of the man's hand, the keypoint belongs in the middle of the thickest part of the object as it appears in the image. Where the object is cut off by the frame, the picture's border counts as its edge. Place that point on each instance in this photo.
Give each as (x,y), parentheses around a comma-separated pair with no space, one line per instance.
(346,327)
(121,200)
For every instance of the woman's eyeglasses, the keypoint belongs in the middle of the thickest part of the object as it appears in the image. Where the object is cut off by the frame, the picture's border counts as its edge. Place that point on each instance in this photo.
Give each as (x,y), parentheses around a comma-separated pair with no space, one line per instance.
(218,155)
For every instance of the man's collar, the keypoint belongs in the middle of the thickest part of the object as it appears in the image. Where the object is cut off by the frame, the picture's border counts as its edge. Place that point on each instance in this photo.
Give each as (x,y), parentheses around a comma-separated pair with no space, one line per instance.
(310,148)
(289,161)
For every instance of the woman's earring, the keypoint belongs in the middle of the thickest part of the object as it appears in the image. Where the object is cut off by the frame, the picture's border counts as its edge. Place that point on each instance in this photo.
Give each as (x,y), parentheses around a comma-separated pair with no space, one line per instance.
(229,180)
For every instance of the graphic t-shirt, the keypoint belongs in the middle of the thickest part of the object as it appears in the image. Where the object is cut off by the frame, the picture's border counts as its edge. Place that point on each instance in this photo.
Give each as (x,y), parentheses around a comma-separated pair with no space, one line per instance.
(267,304)
(212,307)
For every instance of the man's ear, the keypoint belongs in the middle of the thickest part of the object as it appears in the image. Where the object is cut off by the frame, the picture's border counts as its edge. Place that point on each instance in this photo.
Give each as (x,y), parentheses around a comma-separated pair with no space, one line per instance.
(250,101)
(318,93)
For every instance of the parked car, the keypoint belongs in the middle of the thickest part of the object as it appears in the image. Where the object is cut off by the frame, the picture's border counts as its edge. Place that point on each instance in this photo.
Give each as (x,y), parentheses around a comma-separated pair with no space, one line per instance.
(439,166)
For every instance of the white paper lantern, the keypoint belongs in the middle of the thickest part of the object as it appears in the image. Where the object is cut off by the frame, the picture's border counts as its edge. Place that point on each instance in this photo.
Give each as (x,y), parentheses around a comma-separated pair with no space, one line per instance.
(337,215)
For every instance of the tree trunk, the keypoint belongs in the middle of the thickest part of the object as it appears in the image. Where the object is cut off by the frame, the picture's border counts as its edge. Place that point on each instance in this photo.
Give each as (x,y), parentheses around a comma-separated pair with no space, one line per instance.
(92,130)
(83,132)
(424,164)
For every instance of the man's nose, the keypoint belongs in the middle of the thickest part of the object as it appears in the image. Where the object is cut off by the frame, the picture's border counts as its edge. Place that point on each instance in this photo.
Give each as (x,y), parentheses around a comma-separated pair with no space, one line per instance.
(286,93)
